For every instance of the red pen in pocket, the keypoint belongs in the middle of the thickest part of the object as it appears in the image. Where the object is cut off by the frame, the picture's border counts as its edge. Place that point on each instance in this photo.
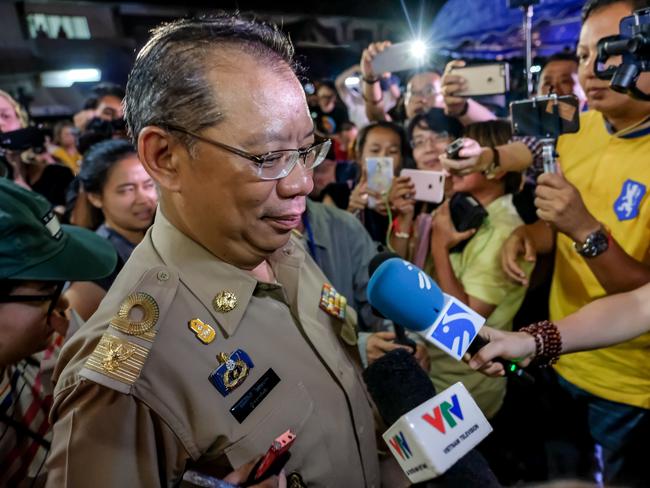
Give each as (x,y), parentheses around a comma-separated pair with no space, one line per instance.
(274,460)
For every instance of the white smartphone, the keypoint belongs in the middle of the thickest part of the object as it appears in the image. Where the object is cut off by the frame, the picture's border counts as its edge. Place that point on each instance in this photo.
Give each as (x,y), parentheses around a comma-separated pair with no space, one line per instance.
(379,172)
(429,185)
(398,57)
(484,79)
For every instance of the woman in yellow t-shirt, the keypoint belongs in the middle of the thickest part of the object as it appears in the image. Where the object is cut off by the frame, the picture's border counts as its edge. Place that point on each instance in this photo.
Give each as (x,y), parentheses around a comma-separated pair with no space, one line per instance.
(65,138)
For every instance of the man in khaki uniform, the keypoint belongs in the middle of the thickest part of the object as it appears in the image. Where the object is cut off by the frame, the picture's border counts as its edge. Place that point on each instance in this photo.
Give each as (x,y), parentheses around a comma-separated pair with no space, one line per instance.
(218,334)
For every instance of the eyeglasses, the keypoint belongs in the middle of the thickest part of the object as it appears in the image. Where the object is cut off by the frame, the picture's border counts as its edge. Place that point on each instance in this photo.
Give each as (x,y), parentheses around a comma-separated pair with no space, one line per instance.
(52,297)
(427,91)
(272,165)
(434,139)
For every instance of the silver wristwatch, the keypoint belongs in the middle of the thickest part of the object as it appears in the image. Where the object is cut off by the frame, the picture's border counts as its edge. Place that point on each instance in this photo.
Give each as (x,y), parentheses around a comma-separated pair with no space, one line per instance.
(595,244)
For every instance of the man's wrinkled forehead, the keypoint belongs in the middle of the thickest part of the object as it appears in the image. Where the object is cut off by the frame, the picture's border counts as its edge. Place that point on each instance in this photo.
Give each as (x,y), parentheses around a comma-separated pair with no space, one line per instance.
(248,91)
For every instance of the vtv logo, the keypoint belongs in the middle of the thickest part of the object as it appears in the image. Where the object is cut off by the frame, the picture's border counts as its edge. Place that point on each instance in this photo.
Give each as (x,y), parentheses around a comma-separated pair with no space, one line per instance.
(443,414)
(400,446)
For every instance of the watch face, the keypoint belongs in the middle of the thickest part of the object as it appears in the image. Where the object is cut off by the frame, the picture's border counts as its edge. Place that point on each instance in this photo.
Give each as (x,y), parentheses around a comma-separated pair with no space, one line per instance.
(595,244)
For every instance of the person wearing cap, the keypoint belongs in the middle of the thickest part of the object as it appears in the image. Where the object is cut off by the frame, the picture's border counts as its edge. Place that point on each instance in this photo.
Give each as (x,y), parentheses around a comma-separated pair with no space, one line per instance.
(220,333)
(37,257)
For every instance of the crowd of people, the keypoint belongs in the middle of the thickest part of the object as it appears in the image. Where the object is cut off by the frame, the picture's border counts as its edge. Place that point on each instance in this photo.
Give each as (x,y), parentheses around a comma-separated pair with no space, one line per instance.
(203,231)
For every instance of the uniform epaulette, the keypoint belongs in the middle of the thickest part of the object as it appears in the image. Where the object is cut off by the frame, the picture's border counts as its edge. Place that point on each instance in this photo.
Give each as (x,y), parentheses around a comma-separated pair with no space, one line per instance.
(124,347)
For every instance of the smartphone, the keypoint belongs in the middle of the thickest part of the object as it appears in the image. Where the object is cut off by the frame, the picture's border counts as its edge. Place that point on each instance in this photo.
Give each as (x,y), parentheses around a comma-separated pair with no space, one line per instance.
(379,173)
(484,79)
(274,460)
(454,148)
(545,117)
(398,57)
(429,185)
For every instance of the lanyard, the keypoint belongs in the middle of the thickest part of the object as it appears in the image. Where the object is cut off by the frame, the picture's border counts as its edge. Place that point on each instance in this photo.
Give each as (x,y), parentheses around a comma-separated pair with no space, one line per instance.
(310,238)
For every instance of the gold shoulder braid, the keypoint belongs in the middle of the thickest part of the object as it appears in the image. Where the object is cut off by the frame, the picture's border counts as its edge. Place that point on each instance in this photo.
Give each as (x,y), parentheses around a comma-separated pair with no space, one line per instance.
(142,326)
(117,358)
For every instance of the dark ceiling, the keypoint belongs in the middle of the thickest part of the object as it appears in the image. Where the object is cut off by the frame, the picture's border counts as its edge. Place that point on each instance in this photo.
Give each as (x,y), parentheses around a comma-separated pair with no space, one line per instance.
(379,9)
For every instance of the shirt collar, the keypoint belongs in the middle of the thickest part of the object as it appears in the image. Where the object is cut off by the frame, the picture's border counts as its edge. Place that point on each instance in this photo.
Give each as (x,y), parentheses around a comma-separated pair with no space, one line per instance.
(206,275)
(639,129)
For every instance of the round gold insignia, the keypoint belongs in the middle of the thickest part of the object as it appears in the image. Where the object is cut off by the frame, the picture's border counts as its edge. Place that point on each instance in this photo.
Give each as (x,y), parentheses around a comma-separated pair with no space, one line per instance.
(148,309)
(225,301)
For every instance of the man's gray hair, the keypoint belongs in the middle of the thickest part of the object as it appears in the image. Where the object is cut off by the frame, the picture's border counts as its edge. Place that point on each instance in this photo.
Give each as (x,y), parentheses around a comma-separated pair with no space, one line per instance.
(168,84)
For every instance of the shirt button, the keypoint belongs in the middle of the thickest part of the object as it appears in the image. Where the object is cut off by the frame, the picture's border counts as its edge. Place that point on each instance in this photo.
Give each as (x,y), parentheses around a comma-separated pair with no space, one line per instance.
(361,430)
(163,275)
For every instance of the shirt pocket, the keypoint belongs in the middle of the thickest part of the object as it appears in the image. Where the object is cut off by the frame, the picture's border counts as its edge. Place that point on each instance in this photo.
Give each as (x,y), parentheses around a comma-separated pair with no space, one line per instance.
(295,412)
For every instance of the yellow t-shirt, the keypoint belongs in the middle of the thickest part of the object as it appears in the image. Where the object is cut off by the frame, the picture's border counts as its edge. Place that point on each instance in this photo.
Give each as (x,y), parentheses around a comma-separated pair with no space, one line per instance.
(72,161)
(478,268)
(612,173)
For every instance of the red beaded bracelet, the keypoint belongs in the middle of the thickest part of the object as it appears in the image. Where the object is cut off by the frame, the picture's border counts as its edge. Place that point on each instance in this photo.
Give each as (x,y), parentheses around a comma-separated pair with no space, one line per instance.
(548,342)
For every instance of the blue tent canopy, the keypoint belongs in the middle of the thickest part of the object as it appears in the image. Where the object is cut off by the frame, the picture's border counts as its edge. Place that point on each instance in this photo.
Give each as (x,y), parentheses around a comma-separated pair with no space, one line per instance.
(488,29)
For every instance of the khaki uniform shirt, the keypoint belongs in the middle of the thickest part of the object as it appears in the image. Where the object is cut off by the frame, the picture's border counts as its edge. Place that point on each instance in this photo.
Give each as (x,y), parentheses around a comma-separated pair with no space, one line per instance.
(134,409)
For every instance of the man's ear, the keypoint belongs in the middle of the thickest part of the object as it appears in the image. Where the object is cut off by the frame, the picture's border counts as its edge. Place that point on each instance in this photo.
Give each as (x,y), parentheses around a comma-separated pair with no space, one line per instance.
(159,153)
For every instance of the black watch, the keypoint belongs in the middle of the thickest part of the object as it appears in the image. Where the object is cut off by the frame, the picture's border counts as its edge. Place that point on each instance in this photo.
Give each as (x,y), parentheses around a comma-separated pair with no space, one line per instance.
(595,244)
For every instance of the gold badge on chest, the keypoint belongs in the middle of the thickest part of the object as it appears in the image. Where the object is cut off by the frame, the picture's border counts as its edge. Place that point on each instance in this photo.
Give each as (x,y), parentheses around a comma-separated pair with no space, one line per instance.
(224,301)
(203,332)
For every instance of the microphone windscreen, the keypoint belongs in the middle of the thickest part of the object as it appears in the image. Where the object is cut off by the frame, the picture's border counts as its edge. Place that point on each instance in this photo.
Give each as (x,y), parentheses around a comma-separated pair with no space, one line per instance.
(405,294)
(397,384)
(471,471)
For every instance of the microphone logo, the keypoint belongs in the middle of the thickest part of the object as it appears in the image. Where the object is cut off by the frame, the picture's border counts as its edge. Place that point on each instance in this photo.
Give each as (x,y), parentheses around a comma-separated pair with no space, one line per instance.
(456,328)
(423,280)
(443,414)
(400,446)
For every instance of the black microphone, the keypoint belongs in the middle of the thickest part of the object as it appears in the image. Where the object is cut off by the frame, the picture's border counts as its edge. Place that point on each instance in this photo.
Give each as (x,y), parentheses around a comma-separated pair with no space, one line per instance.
(397,384)
(400,332)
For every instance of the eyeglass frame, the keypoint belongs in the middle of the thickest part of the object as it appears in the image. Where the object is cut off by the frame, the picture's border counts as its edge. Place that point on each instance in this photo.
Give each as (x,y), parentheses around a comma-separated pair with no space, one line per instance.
(430,91)
(437,138)
(54,297)
(258,159)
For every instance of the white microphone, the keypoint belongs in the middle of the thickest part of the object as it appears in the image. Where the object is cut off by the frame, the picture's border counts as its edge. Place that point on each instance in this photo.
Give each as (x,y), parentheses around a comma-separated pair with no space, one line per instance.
(432,437)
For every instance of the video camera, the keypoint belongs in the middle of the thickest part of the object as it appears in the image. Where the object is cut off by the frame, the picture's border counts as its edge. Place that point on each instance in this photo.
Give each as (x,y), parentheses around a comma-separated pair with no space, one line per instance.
(23,139)
(633,46)
(98,130)
(30,138)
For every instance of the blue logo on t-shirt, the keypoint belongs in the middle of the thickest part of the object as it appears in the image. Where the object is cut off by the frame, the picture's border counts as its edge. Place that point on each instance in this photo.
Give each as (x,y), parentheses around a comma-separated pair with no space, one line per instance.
(627,204)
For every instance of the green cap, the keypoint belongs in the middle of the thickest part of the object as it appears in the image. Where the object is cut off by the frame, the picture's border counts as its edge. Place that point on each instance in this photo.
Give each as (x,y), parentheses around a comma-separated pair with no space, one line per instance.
(35,246)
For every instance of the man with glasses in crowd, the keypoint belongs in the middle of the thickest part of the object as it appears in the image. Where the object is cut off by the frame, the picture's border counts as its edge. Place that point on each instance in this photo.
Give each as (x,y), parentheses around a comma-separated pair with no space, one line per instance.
(422,89)
(37,256)
(220,333)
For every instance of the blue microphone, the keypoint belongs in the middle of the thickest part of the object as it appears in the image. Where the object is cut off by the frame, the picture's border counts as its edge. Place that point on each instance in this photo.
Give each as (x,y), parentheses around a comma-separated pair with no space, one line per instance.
(405,294)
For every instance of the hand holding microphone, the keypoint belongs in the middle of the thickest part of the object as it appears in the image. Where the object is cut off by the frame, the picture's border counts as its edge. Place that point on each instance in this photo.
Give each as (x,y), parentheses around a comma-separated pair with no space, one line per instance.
(518,346)
(402,292)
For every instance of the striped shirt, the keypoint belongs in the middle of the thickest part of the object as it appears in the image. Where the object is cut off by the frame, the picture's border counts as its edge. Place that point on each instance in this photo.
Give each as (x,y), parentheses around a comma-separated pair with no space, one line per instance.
(25,402)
